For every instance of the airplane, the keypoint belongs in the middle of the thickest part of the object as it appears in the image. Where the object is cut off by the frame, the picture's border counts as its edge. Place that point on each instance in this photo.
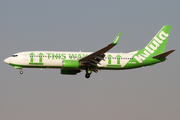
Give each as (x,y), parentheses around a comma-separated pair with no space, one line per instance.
(71,63)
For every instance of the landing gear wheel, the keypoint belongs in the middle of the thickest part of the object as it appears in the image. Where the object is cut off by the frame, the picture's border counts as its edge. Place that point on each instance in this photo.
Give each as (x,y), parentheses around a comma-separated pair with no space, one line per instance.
(88,72)
(87,75)
(21,72)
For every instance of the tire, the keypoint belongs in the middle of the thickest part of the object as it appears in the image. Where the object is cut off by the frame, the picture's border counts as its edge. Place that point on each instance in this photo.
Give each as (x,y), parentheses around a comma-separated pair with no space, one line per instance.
(87,75)
(21,72)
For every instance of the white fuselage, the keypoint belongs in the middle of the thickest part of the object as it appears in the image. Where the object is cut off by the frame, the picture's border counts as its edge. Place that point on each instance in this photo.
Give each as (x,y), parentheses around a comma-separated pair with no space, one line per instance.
(53,59)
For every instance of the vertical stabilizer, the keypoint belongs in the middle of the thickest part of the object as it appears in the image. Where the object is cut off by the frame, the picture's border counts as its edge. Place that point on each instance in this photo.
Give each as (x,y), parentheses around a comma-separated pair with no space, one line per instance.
(158,44)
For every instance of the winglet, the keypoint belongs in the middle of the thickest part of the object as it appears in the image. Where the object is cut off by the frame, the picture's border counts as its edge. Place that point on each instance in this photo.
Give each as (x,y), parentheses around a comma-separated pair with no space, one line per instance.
(116,39)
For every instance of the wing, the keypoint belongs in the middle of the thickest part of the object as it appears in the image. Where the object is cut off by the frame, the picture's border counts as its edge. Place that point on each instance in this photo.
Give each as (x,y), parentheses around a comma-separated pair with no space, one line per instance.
(95,58)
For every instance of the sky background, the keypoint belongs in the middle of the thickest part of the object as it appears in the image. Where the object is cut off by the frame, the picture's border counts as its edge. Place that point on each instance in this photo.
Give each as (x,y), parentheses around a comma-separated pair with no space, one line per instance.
(149,93)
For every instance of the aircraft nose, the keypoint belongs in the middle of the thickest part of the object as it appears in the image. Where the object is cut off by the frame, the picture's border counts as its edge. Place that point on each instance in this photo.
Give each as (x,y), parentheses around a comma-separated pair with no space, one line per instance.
(7,60)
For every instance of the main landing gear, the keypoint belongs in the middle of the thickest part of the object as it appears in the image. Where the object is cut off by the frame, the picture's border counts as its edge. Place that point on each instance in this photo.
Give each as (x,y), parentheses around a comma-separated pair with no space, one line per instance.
(88,73)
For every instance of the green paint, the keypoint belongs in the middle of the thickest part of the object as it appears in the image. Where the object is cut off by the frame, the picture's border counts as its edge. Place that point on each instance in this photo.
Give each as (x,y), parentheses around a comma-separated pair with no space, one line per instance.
(109,59)
(118,59)
(70,64)
(40,57)
(160,39)
(36,64)
(114,65)
(155,47)
(79,56)
(49,54)
(73,56)
(116,39)
(63,56)
(31,58)
(89,71)
(53,56)
(58,56)
(17,67)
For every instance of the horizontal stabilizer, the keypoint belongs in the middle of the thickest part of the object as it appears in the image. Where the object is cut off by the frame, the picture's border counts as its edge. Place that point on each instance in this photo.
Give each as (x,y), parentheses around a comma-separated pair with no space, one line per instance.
(163,55)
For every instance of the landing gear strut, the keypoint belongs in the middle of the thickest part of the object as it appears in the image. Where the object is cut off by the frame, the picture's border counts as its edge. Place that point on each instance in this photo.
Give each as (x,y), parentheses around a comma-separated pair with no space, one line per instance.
(88,73)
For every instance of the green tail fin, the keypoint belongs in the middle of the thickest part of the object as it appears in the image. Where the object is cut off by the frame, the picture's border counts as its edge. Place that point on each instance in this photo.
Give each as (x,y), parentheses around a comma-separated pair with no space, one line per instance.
(158,44)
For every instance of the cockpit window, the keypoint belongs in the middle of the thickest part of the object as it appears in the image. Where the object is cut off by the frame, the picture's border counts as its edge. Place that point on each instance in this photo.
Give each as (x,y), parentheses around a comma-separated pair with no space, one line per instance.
(14,55)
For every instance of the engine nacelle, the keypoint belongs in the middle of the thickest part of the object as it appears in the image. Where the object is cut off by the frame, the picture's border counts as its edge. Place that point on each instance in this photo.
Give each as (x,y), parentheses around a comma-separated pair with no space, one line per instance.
(69,72)
(70,64)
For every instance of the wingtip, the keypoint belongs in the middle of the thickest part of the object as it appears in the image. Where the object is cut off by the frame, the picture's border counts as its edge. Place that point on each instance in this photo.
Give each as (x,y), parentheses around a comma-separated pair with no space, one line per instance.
(116,39)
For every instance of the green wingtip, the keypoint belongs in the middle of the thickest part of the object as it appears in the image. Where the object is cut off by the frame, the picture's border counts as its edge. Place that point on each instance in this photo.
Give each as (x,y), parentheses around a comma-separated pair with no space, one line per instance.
(116,39)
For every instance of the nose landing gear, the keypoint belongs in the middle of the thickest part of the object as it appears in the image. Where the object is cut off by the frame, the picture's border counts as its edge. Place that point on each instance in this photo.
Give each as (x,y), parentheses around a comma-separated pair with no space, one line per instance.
(21,72)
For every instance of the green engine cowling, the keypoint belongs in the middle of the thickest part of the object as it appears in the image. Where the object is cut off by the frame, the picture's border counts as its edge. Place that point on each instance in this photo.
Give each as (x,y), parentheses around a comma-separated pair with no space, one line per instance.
(70,64)
(69,72)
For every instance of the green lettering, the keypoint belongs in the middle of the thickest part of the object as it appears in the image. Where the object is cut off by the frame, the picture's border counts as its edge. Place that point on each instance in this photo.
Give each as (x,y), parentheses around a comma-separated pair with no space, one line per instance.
(53,56)
(48,55)
(57,56)
(63,56)
(79,56)
(72,56)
